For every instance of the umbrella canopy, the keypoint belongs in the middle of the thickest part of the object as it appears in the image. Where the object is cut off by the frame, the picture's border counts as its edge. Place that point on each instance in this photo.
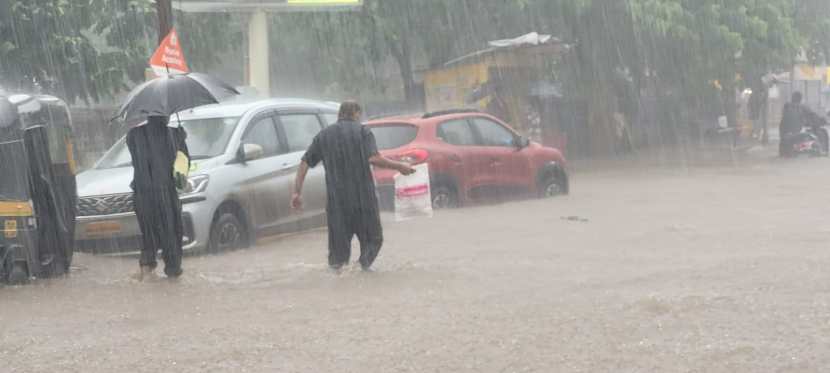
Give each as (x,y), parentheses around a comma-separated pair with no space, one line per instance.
(167,95)
(8,113)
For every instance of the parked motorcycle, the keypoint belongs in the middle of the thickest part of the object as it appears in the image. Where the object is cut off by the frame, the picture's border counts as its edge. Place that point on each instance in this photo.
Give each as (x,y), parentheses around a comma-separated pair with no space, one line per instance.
(807,142)
(813,140)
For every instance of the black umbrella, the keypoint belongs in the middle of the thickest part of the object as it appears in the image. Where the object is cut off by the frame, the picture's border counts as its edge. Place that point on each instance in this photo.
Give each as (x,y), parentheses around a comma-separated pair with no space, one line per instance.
(167,95)
(8,113)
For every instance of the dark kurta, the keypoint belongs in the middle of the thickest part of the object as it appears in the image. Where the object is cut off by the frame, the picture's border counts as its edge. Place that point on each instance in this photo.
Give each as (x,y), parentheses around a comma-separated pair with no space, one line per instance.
(153,148)
(352,206)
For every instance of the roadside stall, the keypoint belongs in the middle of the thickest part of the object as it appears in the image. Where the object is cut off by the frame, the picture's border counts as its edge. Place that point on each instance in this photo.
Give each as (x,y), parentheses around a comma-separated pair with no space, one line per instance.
(509,80)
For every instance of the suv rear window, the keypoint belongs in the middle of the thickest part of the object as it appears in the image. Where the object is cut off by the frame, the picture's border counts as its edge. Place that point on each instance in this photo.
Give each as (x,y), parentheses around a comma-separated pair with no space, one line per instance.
(394,136)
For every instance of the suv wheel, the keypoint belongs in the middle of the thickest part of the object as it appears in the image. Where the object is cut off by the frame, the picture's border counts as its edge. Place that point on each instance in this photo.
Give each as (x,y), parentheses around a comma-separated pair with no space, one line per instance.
(551,187)
(226,233)
(444,198)
(17,274)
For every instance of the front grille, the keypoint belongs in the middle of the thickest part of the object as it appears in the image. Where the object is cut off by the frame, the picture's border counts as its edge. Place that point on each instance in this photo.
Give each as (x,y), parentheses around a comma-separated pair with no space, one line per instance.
(114,245)
(188,235)
(105,205)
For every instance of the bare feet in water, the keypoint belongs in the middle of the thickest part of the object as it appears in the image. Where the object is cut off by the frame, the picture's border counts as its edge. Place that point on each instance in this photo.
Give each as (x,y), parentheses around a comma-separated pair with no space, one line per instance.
(146,273)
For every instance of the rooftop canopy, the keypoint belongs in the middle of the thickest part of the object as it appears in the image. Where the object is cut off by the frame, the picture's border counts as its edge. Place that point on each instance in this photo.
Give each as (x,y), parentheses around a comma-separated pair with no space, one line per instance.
(532,43)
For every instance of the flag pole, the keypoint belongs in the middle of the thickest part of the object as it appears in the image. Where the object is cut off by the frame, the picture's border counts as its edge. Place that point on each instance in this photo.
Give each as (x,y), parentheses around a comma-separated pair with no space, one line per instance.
(178,120)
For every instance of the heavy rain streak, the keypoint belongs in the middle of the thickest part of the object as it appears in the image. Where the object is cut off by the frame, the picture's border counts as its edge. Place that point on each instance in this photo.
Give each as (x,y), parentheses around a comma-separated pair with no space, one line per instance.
(414,186)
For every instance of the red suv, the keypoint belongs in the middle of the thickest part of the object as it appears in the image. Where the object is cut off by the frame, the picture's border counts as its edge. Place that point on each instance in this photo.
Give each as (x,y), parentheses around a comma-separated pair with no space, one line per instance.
(470,155)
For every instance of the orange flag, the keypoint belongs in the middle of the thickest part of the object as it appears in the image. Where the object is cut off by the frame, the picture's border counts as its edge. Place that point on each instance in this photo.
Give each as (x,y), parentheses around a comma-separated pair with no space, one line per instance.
(169,58)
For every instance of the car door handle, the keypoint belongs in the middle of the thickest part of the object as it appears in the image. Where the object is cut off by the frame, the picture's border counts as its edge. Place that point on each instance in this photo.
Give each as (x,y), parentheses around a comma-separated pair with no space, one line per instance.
(287,166)
(454,158)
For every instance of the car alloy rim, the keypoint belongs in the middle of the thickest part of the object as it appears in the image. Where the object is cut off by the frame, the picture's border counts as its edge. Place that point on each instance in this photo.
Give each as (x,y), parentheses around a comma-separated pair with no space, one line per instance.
(229,235)
(553,189)
(441,200)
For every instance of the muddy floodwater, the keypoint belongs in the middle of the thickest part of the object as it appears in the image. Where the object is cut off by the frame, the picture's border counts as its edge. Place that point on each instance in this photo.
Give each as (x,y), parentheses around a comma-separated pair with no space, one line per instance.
(642,269)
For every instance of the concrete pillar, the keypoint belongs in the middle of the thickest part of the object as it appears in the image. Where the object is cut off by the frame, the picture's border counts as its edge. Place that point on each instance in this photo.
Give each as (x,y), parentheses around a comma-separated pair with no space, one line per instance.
(259,74)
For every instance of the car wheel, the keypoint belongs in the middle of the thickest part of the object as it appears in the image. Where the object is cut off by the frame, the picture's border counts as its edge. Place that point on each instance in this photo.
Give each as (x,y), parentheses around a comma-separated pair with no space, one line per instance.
(444,198)
(18,274)
(551,187)
(226,233)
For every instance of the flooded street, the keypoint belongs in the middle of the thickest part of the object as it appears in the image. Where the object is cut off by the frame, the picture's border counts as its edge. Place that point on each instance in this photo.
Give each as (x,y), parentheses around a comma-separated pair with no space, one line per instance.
(683,148)
(715,269)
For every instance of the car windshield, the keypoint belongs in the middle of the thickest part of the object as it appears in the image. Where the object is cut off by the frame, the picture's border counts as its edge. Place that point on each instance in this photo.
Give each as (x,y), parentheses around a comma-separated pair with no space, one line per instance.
(206,138)
(394,135)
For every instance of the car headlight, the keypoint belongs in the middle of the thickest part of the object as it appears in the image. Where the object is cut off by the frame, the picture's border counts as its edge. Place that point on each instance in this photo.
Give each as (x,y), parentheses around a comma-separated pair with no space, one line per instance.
(196,184)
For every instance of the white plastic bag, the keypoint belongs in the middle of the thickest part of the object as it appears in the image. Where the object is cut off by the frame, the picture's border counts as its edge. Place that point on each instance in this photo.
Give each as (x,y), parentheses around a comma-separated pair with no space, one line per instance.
(413,197)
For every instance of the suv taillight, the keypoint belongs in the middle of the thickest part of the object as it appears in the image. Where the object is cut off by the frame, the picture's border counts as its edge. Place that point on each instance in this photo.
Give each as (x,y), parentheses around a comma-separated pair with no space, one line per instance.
(414,156)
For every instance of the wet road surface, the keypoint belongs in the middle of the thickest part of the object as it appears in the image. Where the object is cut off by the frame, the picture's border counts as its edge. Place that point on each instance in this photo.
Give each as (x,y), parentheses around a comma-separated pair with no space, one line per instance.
(654,269)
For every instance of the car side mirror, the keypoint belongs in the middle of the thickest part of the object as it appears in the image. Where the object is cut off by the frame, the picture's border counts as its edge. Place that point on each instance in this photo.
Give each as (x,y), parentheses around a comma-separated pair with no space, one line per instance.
(250,152)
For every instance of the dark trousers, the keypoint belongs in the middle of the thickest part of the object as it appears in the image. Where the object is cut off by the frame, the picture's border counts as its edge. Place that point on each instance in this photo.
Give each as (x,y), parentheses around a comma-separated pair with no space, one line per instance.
(344,225)
(159,214)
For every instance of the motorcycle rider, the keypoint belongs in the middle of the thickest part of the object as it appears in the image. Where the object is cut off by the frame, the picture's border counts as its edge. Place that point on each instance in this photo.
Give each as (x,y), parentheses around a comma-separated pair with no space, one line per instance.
(795,117)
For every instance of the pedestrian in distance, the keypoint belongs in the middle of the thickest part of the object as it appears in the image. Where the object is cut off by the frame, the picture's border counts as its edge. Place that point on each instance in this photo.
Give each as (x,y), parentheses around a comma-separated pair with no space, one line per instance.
(347,150)
(794,118)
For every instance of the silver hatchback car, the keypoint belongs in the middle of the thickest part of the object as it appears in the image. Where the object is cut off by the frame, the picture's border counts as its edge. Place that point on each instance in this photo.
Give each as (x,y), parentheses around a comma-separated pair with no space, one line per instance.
(244,158)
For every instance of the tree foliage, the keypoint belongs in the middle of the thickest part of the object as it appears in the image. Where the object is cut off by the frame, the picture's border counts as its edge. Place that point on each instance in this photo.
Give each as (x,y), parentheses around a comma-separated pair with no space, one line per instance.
(812,18)
(715,40)
(89,50)
(43,45)
(694,52)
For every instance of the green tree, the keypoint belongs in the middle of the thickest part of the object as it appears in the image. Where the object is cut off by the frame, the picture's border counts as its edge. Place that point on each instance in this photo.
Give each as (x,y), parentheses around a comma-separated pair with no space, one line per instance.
(44,46)
(812,18)
(711,47)
(89,50)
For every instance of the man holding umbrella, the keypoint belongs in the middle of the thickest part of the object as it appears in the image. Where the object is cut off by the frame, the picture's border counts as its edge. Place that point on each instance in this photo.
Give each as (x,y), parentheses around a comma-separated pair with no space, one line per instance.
(154,147)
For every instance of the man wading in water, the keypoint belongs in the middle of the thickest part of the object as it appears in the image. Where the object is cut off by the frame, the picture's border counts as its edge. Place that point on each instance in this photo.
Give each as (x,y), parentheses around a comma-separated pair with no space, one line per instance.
(348,150)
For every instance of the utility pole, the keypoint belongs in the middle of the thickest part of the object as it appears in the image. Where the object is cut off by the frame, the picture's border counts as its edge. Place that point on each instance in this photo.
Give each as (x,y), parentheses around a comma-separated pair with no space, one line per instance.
(164,8)
(258,72)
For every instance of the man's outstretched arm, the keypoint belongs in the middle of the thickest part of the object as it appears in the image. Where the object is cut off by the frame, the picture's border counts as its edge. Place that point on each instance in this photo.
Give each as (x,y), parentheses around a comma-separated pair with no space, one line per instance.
(378,160)
(297,196)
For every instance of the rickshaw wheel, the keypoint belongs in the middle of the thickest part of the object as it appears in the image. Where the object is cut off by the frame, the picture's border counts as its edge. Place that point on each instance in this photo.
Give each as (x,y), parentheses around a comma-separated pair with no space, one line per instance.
(18,275)
(57,266)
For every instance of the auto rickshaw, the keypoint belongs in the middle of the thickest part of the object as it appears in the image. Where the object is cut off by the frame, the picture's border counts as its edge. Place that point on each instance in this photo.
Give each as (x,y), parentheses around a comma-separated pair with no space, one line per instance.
(38,193)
